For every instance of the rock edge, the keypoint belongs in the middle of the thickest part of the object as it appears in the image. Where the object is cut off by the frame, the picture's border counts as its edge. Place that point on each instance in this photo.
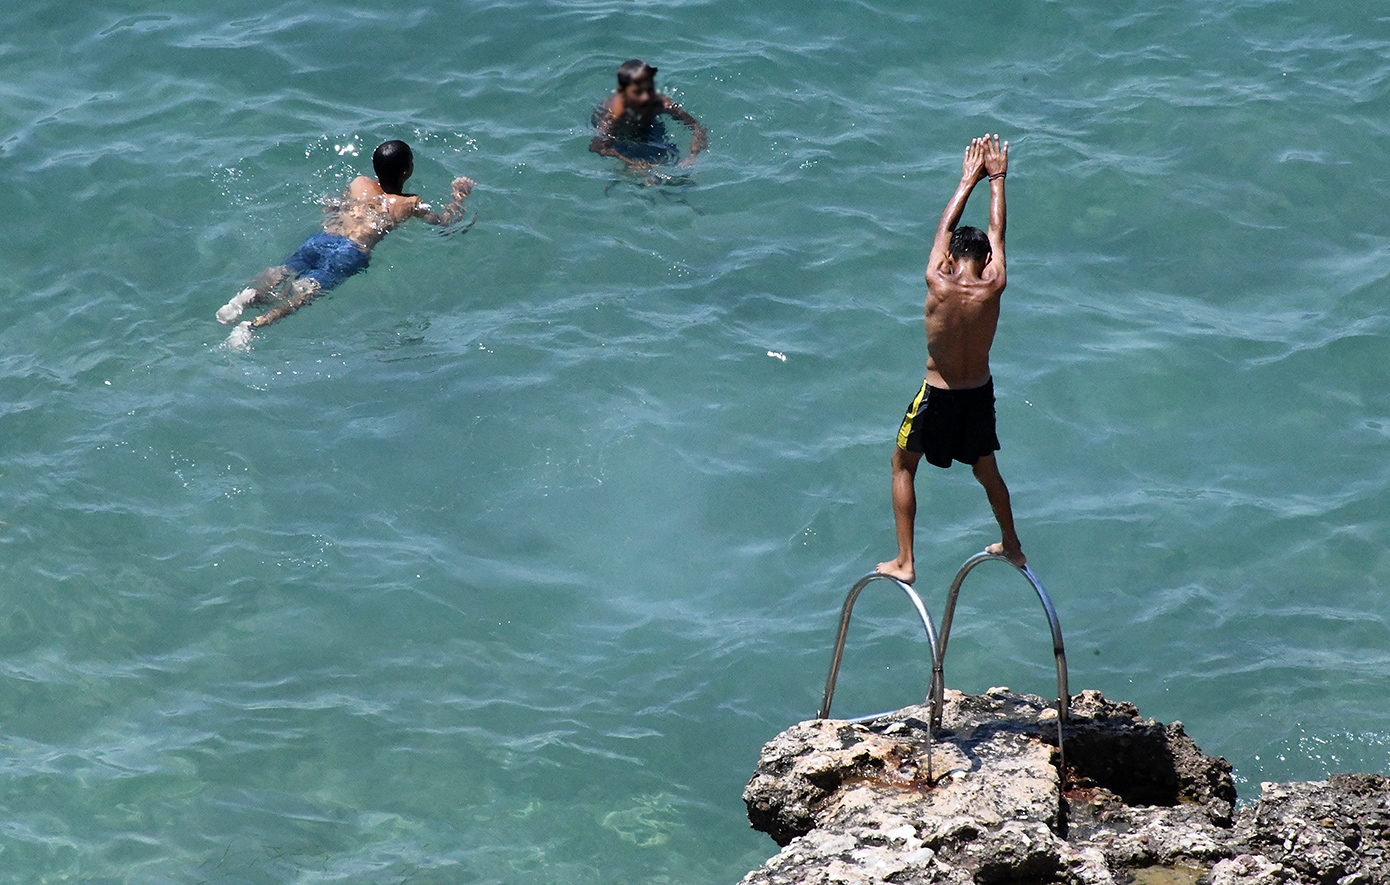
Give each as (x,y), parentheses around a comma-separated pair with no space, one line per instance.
(853,803)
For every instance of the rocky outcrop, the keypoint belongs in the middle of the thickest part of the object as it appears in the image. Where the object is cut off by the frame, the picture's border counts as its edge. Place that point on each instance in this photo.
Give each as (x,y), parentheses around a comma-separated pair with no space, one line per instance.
(1140,802)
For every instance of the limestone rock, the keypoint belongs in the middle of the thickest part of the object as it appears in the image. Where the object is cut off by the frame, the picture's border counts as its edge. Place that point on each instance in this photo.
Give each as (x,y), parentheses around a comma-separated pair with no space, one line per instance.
(871,803)
(1332,831)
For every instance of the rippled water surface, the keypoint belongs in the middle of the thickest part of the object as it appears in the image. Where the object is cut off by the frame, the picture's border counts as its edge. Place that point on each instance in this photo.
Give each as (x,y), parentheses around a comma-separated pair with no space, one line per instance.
(500,563)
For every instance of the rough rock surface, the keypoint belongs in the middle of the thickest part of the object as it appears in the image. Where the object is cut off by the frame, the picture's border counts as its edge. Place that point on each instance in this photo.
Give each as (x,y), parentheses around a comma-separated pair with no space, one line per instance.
(858,803)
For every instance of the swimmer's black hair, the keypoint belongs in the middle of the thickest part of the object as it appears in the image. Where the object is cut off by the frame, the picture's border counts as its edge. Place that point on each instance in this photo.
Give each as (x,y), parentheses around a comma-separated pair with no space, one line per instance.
(393,162)
(632,70)
(970,243)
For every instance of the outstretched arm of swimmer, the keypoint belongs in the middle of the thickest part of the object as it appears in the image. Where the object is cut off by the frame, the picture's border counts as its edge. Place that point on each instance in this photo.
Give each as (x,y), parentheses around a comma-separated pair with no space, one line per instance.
(972,170)
(452,212)
(996,159)
(699,136)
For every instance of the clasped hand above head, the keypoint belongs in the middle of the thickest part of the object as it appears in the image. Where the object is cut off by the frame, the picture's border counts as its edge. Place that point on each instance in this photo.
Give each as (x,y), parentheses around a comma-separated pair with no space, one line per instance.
(986,157)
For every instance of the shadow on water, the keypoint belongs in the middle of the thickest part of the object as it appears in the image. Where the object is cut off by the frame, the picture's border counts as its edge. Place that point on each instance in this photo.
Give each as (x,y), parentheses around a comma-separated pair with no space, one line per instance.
(402,342)
(656,187)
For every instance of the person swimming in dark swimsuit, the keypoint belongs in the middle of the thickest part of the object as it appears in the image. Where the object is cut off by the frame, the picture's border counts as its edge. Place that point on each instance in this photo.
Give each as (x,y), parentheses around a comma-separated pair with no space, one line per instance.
(628,123)
(353,224)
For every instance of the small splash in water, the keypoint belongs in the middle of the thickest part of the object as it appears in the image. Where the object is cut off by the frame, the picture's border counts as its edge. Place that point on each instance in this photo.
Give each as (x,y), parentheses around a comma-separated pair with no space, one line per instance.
(240,338)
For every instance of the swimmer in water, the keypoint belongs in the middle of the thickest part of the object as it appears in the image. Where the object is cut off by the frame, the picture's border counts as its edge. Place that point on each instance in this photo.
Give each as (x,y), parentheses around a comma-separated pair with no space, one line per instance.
(628,122)
(952,416)
(352,225)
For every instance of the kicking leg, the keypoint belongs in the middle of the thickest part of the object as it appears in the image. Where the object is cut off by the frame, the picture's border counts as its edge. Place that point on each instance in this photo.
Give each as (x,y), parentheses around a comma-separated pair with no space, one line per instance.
(987,472)
(258,292)
(305,290)
(904,515)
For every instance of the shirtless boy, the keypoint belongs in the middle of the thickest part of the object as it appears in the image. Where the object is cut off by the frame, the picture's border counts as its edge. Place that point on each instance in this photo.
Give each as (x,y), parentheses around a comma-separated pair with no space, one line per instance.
(628,124)
(952,417)
(352,225)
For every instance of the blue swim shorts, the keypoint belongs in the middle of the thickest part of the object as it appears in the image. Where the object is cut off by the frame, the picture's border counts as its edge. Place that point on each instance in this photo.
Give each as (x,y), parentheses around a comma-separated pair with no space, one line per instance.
(329,259)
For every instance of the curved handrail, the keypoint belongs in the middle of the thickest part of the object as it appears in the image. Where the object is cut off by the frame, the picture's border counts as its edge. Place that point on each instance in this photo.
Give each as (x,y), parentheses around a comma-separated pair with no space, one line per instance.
(845,613)
(938,687)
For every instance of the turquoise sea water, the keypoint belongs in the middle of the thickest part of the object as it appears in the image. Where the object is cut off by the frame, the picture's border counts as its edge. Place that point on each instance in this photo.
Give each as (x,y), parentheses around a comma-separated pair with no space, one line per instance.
(500,563)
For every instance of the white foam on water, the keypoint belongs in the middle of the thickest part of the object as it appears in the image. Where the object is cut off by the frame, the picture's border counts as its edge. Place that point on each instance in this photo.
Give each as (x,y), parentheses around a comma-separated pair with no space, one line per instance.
(240,337)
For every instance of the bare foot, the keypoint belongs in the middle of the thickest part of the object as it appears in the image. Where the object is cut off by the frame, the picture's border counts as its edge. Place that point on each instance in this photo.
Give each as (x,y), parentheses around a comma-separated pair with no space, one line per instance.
(892,569)
(228,313)
(240,339)
(1015,555)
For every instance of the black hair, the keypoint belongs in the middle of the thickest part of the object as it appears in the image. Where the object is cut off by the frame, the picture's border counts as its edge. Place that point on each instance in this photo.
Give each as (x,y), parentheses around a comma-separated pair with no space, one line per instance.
(970,243)
(393,162)
(632,70)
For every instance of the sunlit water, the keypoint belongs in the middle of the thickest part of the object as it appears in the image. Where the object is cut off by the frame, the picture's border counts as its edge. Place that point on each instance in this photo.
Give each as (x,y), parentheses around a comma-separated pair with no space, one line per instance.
(501,562)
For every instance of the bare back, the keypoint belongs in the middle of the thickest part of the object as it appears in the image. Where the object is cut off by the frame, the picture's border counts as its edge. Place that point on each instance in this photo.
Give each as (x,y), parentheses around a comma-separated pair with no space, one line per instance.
(365,213)
(962,314)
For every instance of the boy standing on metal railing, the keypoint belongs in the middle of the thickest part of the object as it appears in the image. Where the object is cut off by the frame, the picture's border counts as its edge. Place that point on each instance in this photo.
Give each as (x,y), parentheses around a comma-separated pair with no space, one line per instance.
(952,416)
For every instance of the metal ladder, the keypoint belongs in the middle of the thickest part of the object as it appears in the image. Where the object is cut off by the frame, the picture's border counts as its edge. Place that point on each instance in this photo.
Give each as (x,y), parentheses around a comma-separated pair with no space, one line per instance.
(936,691)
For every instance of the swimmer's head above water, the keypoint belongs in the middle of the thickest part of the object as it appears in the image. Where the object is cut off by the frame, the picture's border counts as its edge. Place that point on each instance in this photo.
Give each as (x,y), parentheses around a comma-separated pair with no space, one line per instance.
(393,163)
(634,69)
(637,83)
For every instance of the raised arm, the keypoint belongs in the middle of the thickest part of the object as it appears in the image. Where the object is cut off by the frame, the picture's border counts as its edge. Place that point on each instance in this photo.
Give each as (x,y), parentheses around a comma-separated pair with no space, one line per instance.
(972,170)
(996,159)
(452,212)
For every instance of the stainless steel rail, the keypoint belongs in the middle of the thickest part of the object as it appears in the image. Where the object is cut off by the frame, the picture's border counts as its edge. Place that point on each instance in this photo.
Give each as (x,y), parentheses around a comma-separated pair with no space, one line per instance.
(936,691)
(845,613)
(938,686)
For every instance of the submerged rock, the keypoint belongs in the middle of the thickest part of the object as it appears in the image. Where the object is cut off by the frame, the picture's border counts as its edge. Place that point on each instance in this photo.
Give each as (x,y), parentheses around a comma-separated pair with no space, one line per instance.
(1140,802)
